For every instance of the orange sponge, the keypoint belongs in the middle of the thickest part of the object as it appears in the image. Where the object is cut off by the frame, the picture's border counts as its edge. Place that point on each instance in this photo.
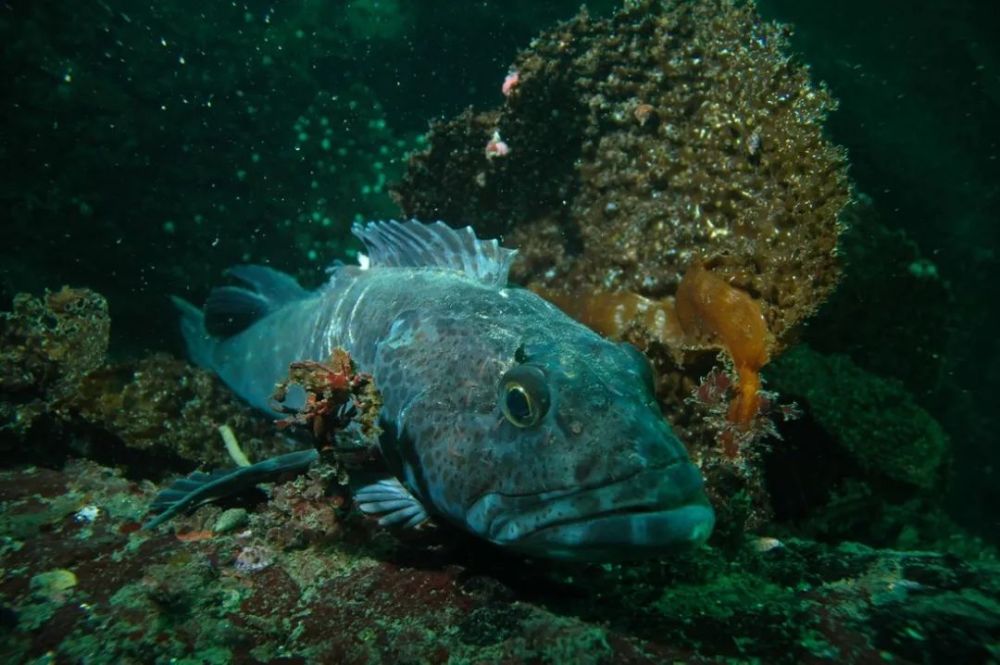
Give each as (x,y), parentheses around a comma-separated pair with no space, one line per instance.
(714,313)
(707,312)
(614,314)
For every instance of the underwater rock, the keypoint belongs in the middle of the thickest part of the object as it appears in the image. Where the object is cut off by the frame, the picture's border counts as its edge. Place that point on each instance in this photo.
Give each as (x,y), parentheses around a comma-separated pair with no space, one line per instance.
(47,346)
(874,419)
(49,343)
(167,409)
(865,462)
(230,520)
(59,395)
(308,510)
(669,133)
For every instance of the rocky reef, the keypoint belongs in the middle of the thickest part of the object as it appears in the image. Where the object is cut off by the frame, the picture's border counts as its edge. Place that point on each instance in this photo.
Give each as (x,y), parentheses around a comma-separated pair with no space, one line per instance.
(60,395)
(82,582)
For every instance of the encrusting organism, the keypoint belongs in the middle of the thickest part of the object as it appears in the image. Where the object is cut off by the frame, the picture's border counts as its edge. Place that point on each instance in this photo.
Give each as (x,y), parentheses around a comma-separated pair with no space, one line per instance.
(336,394)
(714,314)
(706,313)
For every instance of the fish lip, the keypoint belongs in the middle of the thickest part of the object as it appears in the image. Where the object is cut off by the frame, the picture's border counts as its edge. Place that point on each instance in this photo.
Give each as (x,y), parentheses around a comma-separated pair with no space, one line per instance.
(676,513)
(688,527)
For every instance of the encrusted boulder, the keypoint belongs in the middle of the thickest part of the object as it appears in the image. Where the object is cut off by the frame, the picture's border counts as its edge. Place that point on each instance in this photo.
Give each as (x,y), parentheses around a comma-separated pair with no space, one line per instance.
(635,145)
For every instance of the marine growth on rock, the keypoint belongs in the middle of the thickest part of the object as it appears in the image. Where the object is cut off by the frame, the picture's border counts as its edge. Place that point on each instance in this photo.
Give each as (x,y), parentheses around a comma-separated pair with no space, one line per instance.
(669,133)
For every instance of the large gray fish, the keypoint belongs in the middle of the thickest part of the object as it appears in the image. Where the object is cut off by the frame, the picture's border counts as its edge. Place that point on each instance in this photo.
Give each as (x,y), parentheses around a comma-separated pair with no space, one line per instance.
(501,414)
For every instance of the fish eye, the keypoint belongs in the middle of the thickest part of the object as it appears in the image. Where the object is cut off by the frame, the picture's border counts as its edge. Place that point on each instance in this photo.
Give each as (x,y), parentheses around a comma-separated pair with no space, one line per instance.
(524,395)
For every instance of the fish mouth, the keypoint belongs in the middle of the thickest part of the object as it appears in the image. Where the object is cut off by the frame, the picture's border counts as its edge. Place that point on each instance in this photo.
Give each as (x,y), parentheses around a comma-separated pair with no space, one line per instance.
(652,512)
(623,535)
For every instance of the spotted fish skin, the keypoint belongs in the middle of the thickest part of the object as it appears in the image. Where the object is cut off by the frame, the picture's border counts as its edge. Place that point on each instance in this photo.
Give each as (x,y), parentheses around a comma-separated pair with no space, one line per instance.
(596,474)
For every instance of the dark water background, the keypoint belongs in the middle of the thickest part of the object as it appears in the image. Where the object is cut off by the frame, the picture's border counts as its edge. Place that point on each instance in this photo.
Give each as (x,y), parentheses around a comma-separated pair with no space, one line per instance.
(145,147)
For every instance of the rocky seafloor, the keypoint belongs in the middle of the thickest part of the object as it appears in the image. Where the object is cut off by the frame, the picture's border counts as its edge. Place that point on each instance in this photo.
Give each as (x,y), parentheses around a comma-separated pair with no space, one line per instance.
(83,583)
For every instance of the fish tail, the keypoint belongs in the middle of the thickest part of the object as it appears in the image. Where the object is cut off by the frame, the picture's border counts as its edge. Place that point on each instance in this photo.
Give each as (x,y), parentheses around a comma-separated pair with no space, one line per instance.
(200,345)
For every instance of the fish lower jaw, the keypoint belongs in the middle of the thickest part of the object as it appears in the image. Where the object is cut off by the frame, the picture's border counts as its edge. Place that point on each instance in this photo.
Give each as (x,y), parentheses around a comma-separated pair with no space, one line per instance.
(650,513)
(631,533)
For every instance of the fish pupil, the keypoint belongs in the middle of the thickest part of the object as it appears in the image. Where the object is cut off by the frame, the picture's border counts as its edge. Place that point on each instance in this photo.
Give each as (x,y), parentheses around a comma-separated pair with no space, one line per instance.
(518,404)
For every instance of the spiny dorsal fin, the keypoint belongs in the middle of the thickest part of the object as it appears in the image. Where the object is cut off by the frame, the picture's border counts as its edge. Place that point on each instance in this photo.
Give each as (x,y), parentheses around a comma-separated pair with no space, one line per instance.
(416,245)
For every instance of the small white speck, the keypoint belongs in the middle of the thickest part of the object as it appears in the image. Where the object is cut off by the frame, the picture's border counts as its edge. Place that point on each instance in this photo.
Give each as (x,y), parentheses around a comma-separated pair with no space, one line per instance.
(766,544)
(87,514)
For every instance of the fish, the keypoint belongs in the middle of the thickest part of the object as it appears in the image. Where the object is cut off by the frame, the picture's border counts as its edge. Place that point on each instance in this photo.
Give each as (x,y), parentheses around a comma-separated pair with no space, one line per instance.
(501,415)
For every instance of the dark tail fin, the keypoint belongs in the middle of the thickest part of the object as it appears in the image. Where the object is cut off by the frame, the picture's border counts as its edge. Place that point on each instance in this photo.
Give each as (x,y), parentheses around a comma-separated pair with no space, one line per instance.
(231,309)
(199,343)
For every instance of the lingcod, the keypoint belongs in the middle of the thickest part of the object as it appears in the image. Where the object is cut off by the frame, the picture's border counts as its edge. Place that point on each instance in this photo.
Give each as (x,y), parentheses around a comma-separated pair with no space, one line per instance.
(501,415)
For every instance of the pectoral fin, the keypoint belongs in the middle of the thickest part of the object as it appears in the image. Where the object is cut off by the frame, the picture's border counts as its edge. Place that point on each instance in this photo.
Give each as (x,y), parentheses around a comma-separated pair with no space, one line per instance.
(200,487)
(392,503)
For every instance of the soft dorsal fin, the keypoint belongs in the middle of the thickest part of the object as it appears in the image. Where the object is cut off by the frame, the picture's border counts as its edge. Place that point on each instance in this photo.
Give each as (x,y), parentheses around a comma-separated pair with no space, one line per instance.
(416,245)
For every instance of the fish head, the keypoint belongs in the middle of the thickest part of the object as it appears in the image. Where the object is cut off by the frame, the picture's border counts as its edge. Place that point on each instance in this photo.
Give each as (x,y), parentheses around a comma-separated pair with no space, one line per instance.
(571,457)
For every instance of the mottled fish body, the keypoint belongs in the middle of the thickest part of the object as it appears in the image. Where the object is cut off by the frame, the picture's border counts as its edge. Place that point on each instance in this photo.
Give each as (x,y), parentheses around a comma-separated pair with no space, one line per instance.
(501,414)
